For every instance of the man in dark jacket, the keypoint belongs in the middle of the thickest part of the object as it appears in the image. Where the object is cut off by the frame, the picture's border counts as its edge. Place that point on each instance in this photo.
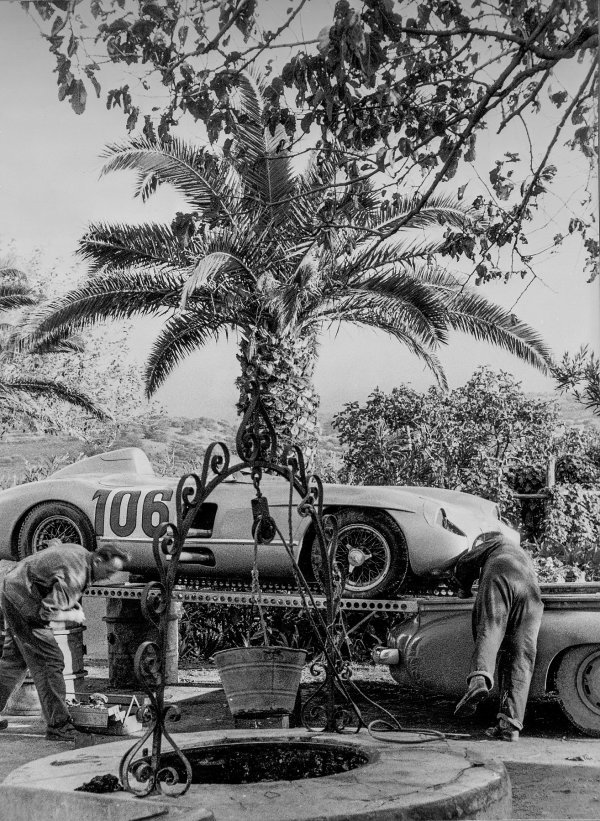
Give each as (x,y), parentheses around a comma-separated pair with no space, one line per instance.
(42,588)
(506,617)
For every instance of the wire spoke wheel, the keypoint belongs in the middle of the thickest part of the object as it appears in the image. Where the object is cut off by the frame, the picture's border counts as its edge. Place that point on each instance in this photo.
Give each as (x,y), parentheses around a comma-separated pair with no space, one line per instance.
(54,523)
(372,552)
(365,553)
(58,528)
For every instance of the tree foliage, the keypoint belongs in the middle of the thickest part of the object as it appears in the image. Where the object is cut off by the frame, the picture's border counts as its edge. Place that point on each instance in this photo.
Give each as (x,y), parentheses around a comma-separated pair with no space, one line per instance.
(489,438)
(276,252)
(579,374)
(408,88)
(85,387)
(27,397)
(472,438)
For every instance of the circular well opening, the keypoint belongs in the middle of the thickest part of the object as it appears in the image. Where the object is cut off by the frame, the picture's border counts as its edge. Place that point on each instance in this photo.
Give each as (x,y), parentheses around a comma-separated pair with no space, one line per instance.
(252,762)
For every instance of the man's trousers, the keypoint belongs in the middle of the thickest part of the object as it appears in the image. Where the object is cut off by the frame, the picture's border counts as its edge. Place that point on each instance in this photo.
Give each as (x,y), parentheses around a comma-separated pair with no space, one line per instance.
(506,621)
(33,646)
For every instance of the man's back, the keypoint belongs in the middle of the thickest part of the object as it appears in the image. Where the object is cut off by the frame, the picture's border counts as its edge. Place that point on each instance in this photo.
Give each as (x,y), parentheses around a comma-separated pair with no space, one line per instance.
(56,575)
(494,557)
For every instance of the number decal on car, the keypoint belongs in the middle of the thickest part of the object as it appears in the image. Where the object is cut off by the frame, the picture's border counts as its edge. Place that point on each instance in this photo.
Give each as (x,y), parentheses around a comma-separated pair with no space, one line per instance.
(152,506)
(154,511)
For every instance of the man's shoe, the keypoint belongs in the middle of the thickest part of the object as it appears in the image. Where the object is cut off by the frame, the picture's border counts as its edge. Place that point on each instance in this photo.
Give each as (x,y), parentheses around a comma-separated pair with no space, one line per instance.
(477,692)
(504,731)
(3,723)
(68,733)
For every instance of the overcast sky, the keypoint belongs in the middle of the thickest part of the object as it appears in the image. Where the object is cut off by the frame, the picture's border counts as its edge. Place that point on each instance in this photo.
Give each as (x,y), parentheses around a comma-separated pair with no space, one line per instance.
(50,190)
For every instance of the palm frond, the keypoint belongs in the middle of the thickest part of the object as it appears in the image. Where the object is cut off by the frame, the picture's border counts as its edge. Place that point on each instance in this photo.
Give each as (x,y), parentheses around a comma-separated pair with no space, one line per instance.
(111,297)
(389,310)
(182,335)
(402,335)
(14,344)
(397,248)
(210,269)
(403,292)
(470,312)
(7,272)
(119,247)
(439,210)
(474,315)
(15,296)
(205,180)
(53,390)
(258,154)
(249,96)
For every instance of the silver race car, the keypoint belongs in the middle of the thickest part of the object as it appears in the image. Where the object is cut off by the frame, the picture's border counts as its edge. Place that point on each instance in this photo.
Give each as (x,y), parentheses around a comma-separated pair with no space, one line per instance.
(387,535)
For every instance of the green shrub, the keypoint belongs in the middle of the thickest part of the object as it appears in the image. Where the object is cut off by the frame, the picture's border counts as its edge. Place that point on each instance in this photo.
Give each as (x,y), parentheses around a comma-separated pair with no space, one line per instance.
(475,438)
(572,528)
(204,629)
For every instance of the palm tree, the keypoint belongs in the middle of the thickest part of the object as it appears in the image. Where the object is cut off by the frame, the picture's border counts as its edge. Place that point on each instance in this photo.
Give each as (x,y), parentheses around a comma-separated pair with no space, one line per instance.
(17,393)
(274,254)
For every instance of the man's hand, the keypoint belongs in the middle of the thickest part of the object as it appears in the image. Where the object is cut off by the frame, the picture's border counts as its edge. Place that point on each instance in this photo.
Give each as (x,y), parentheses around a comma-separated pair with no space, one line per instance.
(75,615)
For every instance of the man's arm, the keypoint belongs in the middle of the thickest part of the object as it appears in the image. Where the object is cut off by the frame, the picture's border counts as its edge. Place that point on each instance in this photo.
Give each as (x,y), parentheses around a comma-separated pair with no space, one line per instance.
(469,563)
(465,572)
(61,603)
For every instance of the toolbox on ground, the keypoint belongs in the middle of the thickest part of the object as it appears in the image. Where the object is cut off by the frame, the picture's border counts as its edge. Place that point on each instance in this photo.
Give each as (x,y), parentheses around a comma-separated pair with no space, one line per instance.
(109,715)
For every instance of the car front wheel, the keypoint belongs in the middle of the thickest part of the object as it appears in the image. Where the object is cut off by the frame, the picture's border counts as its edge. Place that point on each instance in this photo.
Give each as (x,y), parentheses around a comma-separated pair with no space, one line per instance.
(372,552)
(578,686)
(54,522)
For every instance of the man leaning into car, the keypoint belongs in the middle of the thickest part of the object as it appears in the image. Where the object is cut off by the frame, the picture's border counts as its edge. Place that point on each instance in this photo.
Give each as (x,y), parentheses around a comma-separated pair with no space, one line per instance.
(40,589)
(506,620)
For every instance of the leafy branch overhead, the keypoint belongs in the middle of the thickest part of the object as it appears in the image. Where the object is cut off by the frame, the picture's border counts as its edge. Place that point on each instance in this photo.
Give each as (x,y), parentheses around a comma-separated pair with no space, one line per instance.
(404,87)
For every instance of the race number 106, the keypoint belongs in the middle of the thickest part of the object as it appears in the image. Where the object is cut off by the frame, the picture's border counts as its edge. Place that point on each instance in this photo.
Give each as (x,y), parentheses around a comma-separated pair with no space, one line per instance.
(124,512)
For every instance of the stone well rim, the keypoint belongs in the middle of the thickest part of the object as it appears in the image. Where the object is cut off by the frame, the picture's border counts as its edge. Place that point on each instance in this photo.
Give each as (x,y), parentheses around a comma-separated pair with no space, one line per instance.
(398,781)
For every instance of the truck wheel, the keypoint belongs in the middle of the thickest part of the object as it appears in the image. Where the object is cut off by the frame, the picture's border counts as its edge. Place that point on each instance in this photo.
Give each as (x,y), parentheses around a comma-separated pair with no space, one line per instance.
(578,686)
(372,549)
(54,520)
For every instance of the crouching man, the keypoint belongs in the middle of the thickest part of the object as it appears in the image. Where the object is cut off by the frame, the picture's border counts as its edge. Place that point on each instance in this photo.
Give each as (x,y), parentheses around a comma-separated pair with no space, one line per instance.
(42,588)
(506,617)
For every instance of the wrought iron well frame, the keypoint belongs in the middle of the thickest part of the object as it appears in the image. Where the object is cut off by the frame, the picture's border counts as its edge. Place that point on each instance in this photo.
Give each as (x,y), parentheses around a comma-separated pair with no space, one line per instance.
(331,707)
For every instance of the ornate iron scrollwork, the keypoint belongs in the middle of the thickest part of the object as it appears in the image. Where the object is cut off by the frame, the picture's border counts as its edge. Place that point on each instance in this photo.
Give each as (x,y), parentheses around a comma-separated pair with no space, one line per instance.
(331,707)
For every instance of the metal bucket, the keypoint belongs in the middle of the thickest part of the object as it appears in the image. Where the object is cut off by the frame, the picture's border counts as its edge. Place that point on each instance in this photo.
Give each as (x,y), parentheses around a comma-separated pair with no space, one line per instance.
(70,641)
(260,681)
(24,701)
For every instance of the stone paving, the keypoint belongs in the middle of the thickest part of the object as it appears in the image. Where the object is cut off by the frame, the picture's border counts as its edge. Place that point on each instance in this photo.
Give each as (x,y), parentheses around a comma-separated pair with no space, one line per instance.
(554,771)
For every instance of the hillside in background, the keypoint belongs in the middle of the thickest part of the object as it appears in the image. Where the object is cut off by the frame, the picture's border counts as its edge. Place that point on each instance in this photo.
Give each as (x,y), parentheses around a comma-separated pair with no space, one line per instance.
(571,412)
(177,444)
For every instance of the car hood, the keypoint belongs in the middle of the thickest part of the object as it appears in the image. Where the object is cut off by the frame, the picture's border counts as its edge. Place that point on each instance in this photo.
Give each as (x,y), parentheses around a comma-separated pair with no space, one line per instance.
(463,509)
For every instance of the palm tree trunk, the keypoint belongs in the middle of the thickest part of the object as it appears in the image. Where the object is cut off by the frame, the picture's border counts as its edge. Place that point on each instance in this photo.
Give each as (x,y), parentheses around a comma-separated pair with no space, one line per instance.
(283,369)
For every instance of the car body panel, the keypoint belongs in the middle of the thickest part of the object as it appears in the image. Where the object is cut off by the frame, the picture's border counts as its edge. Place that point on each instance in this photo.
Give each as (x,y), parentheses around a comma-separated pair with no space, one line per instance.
(423,642)
(124,501)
